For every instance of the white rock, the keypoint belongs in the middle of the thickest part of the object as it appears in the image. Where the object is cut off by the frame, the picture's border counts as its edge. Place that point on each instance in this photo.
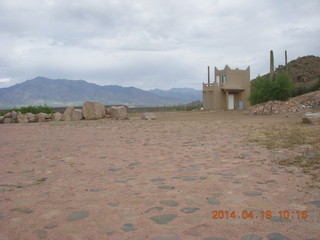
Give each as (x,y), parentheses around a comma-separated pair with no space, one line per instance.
(148,116)
(312,118)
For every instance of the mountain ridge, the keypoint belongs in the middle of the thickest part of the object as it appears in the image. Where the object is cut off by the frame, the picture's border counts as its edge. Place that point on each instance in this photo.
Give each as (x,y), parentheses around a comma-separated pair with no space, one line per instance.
(64,92)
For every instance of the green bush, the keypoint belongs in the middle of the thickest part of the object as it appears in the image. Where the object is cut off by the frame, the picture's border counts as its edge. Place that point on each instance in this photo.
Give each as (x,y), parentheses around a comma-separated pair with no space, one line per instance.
(263,89)
(36,109)
(32,109)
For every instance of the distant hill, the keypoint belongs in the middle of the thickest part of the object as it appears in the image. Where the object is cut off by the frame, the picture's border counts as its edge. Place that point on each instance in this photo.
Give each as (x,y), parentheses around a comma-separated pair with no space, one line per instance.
(304,71)
(62,92)
(184,94)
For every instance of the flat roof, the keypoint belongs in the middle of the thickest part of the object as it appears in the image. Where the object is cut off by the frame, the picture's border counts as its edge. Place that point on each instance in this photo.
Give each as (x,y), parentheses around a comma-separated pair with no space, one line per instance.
(233,89)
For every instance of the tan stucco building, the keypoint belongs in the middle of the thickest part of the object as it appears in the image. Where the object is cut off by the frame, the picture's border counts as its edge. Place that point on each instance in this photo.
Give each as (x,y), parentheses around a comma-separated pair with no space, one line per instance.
(229,90)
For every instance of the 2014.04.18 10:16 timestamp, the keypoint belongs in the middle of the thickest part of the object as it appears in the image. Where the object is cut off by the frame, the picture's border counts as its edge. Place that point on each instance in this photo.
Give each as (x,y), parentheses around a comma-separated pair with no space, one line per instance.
(268,214)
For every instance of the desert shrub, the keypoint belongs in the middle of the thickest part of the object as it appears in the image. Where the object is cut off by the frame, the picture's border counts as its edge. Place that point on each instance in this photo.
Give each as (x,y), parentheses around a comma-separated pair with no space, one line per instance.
(32,109)
(263,89)
(36,109)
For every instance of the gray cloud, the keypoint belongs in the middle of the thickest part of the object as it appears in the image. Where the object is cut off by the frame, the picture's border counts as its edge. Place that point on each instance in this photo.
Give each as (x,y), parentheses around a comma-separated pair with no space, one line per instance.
(150,44)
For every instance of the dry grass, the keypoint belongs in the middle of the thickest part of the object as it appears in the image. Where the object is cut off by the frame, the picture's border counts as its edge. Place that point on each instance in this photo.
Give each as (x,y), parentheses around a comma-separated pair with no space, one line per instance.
(302,140)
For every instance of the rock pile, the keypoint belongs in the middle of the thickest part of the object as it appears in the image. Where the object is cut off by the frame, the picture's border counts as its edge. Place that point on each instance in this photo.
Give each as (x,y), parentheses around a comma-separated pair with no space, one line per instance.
(312,118)
(296,104)
(18,117)
(89,111)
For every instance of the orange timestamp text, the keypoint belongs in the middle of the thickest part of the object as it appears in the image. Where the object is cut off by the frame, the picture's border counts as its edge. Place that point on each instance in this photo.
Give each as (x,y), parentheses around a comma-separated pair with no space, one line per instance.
(268,214)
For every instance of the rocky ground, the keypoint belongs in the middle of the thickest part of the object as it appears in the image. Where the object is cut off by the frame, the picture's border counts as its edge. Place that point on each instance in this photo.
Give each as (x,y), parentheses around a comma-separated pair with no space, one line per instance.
(302,103)
(158,179)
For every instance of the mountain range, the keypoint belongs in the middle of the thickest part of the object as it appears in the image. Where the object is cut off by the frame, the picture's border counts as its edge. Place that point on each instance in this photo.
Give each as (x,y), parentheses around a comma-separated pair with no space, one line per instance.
(63,92)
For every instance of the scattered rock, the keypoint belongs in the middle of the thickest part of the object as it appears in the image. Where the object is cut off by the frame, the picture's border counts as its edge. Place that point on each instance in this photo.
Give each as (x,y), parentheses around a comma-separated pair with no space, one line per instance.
(213,201)
(8,120)
(76,115)
(128,227)
(107,230)
(154,208)
(113,204)
(279,219)
(164,218)
(32,117)
(14,115)
(51,226)
(41,117)
(119,112)
(8,115)
(295,104)
(252,193)
(167,236)
(67,115)
(277,236)
(93,110)
(27,171)
(108,113)
(251,237)
(189,179)
(78,215)
(169,203)
(22,118)
(157,180)
(167,187)
(56,116)
(214,238)
(148,116)
(115,169)
(22,210)
(316,203)
(42,234)
(189,209)
(311,118)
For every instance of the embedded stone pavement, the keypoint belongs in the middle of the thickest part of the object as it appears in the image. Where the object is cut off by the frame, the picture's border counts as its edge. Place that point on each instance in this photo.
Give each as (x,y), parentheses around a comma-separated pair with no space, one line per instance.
(159,180)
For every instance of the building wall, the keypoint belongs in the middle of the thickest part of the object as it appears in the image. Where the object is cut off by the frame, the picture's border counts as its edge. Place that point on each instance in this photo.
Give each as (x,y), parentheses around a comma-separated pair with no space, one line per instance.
(235,78)
(208,97)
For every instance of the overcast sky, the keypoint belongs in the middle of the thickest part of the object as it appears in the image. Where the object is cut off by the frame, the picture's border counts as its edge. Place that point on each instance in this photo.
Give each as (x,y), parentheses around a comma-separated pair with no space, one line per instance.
(151,43)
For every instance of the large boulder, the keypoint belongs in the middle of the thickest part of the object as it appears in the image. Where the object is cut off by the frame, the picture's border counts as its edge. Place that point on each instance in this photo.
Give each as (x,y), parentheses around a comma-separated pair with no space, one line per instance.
(148,116)
(1,119)
(312,118)
(14,116)
(93,110)
(119,112)
(8,115)
(56,116)
(31,117)
(41,117)
(8,120)
(76,115)
(67,115)
(22,118)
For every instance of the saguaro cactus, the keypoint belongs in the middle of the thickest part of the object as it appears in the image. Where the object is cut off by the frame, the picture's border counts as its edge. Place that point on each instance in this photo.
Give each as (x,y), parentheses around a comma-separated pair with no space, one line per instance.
(271,65)
(286,61)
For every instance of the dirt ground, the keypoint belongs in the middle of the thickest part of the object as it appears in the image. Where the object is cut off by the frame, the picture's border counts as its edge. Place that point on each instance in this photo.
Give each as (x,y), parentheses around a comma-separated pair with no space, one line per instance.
(185,175)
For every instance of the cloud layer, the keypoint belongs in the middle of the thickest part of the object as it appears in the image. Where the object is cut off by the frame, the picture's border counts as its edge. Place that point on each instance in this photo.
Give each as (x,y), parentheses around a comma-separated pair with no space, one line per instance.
(150,44)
